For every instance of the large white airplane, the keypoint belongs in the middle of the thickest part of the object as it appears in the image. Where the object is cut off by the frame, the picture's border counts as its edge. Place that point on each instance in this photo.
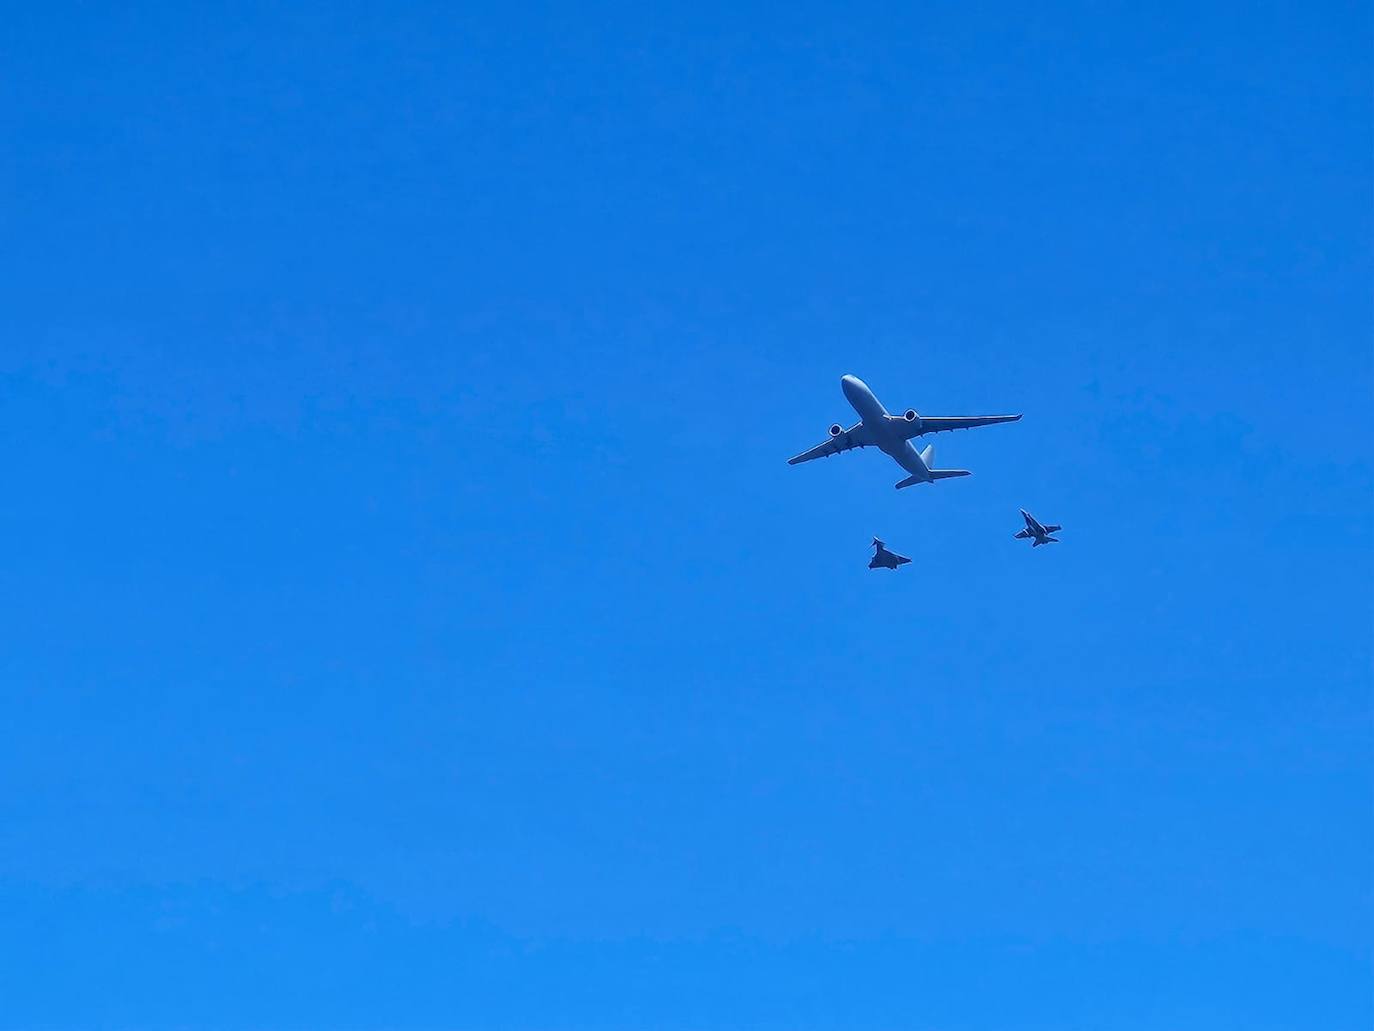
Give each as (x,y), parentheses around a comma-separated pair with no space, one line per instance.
(892,434)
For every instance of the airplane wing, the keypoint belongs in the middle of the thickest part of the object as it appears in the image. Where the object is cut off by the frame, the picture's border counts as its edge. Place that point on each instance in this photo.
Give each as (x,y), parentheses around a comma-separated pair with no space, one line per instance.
(937,424)
(1053,528)
(1021,535)
(855,436)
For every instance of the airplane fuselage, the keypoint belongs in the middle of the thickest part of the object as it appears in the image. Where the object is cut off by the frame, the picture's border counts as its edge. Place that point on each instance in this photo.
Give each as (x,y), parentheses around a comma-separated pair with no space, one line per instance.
(876,421)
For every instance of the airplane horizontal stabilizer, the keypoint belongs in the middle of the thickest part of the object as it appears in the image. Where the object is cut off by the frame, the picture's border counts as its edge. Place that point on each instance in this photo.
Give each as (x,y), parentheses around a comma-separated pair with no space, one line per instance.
(932,476)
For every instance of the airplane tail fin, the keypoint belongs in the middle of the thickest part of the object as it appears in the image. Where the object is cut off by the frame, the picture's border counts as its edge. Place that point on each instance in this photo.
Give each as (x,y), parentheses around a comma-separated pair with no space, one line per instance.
(928,460)
(931,476)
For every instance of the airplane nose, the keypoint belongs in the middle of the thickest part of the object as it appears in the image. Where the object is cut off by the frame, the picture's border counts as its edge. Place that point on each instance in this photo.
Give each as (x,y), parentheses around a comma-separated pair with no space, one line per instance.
(853,389)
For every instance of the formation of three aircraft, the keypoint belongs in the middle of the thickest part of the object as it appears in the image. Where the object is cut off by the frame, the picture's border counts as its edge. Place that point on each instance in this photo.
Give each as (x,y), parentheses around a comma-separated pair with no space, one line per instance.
(892,434)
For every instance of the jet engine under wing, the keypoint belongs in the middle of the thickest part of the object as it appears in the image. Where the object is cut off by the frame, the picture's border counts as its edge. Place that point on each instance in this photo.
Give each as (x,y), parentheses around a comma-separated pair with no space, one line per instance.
(855,436)
(938,423)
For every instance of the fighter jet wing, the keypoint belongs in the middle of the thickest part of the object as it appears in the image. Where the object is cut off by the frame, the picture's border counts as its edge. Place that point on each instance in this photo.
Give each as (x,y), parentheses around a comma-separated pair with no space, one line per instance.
(855,436)
(939,423)
(1021,535)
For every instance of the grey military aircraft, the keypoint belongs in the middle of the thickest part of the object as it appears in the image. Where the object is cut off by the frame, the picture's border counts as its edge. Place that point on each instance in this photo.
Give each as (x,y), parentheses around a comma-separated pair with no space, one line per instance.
(1036,532)
(892,434)
(884,559)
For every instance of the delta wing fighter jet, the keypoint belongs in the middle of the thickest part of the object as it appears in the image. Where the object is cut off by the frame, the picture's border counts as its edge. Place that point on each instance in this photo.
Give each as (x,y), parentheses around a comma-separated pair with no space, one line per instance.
(892,434)
(884,559)
(1036,532)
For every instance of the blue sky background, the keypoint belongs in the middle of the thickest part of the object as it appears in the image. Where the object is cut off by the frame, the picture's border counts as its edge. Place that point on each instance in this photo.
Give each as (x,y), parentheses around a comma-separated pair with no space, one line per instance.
(411,620)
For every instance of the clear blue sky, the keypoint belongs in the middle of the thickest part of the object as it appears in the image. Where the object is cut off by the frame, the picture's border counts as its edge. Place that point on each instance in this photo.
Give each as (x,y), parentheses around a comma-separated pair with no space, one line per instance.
(411,621)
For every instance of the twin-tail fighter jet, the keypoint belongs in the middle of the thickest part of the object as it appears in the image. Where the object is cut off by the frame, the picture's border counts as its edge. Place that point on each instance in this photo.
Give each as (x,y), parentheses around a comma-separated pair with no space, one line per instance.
(1036,532)
(892,434)
(884,559)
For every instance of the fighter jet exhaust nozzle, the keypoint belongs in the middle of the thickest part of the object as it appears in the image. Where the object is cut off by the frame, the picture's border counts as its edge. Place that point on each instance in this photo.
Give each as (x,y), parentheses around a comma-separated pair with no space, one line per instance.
(836,430)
